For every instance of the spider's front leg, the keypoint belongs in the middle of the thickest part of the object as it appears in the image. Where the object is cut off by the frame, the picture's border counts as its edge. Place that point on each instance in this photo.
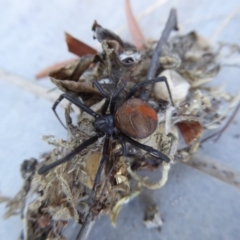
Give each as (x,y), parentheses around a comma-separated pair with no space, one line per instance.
(76,102)
(70,155)
(91,200)
(122,142)
(104,94)
(102,162)
(147,82)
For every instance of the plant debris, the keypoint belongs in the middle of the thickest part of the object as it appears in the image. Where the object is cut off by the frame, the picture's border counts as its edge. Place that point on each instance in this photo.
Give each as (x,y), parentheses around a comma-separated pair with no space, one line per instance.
(48,202)
(152,218)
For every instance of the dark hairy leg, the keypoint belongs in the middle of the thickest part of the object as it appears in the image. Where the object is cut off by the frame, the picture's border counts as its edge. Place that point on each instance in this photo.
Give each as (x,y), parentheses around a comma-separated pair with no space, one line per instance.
(146,148)
(147,82)
(104,94)
(75,102)
(70,155)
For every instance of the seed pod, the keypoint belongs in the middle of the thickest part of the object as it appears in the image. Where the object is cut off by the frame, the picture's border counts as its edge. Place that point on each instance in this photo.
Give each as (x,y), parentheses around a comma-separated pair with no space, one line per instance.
(178,86)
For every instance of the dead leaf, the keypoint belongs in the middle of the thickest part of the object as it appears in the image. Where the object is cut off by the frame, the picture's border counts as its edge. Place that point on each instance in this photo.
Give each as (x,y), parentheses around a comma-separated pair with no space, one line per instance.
(78,47)
(45,72)
(136,33)
(190,130)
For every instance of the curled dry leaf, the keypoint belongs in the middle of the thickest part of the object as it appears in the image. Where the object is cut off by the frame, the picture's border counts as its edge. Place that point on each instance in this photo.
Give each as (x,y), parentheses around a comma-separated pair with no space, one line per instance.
(45,72)
(190,131)
(78,47)
(102,34)
(71,77)
(198,61)
(74,46)
(137,35)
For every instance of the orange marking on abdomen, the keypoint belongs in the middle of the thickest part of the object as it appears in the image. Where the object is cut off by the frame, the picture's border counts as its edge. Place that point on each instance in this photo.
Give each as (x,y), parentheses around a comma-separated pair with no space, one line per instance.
(147,111)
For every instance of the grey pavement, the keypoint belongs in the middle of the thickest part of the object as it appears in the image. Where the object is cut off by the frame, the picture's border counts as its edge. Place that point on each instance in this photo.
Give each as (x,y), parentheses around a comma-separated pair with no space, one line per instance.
(193,205)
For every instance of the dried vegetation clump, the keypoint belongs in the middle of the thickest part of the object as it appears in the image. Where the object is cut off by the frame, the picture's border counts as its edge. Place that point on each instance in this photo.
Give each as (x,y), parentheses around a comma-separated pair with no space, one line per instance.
(47,202)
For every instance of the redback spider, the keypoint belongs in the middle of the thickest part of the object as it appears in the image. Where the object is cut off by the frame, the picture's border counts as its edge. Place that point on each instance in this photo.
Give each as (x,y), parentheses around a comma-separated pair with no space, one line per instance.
(134,118)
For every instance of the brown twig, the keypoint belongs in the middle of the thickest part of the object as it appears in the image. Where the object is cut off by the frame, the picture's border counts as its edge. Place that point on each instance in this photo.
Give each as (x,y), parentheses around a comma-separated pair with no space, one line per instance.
(86,228)
(170,25)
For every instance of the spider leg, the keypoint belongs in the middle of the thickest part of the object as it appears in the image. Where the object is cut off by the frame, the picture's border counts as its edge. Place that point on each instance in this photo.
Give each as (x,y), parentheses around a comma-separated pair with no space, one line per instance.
(102,162)
(70,155)
(104,94)
(90,214)
(75,102)
(146,82)
(114,98)
(146,148)
(123,143)
(124,148)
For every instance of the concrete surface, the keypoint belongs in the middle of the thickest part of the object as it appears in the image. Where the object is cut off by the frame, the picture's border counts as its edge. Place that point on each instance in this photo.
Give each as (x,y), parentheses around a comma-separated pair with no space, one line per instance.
(192,204)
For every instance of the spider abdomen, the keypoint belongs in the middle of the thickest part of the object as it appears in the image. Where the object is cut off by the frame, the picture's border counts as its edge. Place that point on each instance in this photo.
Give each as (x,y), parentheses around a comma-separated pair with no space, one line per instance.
(136,118)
